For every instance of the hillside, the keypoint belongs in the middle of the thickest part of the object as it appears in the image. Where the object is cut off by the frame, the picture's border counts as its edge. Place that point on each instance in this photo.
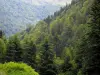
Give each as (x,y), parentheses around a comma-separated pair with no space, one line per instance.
(65,29)
(15,15)
(65,43)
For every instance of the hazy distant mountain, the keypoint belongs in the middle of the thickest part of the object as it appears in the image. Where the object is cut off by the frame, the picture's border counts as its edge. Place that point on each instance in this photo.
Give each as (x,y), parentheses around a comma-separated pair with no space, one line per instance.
(16,14)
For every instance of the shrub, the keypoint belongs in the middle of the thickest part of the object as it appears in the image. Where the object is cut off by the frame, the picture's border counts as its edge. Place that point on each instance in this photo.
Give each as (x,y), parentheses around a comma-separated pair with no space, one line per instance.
(12,68)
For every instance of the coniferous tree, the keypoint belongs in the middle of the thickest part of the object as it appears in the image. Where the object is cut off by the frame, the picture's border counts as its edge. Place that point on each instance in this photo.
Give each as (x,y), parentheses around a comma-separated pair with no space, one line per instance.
(30,54)
(48,19)
(2,47)
(89,49)
(47,65)
(1,33)
(2,50)
(66,66)
(92,58)
(14,50)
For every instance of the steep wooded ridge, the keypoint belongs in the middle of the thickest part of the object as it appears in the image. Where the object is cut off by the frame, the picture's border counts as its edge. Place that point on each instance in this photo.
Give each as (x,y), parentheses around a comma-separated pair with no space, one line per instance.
(66,43)
(64,29)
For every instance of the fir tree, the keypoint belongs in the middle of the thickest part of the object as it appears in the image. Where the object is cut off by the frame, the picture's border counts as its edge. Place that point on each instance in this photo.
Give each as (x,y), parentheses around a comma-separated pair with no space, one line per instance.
(2,50)
(1,33)
(13,50)
(47,65)
(66,66)
(92,54)
(89,49)
(30,54)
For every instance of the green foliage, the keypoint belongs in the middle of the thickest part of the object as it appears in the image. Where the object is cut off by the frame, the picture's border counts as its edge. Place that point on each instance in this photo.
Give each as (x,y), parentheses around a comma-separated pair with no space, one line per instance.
(14,50)
(38,33)
(80,72)
(93,41)
(29,53)
(71,42)
(2,50)
(69,73)
(16,69)
(88,49)
(47,66)
(67,65)
(1,34)
(2,47)
(58,61)
(64,31)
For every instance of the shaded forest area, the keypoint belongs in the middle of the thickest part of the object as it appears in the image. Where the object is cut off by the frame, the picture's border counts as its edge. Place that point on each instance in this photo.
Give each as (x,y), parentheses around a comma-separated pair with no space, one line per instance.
(66,43)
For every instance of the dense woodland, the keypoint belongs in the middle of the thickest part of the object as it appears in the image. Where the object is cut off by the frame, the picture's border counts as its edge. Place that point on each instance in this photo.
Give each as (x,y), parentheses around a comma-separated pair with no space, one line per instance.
(66,43)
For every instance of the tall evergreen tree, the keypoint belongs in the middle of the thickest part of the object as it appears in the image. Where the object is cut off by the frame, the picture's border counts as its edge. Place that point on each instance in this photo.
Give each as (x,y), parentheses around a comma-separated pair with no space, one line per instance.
(47,65)
(92,58)
(2,47)
(66,66)
(89,51)
(13,50)
(1,33)
(2,50)
(30,54)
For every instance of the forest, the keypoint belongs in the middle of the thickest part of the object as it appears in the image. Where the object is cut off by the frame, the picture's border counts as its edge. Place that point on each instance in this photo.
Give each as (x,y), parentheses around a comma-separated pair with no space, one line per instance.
(65,43)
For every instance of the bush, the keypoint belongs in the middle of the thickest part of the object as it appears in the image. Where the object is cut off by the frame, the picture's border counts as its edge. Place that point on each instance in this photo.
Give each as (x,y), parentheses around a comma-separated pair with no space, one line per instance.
(16,69)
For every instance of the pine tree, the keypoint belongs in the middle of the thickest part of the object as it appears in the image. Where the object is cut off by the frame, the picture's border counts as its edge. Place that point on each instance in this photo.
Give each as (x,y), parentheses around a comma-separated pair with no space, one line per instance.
(14,50)
(2,47)
(47,65)
(1,33)
(92,58)
(30,54)
(89,49)
(67,65)
(48,20)
(2,50)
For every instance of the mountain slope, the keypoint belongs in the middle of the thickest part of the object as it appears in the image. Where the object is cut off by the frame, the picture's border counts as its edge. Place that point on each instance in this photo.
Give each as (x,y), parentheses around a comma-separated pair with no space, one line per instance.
(63,43)
(16,14)
(65,30)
